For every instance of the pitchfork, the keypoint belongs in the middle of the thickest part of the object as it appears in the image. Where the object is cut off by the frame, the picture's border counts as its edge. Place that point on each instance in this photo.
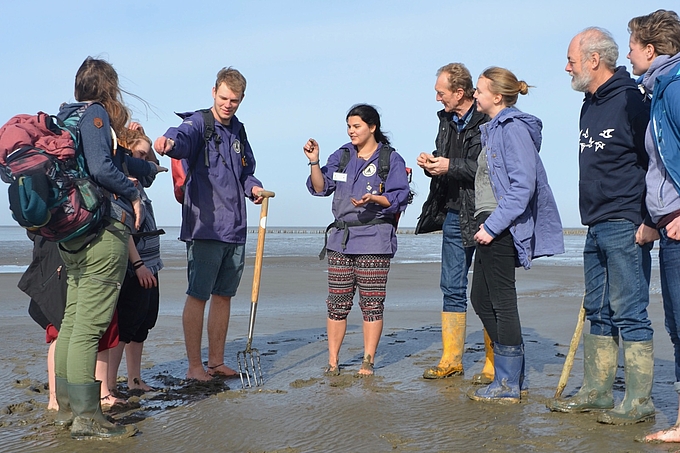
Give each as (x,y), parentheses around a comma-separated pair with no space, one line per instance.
(249,359)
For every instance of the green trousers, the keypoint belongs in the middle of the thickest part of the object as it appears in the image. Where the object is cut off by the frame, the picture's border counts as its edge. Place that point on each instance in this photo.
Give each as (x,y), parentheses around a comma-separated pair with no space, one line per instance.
(94,277)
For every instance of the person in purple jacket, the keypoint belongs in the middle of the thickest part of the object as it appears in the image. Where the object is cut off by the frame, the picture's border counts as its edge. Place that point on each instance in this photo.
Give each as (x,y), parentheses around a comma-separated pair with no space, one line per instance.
(517,221)
(363,237)
(213,217)
(655,57)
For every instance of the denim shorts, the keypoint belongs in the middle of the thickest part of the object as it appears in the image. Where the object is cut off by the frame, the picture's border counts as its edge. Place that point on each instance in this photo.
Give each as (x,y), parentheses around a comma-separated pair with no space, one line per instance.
(214,267)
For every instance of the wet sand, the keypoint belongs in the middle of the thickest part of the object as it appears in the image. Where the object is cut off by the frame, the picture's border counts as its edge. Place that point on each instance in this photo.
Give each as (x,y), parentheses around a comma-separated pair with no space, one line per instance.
(299,410)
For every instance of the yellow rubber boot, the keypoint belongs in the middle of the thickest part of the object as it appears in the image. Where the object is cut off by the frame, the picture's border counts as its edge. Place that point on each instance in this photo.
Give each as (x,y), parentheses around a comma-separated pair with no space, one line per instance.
(453,341)
(486,376)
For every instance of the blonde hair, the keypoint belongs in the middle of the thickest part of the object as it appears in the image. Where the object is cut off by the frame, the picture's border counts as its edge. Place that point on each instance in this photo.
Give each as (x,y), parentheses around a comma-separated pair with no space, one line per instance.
(660,29)
(233,79)
(130,137)
(505,83)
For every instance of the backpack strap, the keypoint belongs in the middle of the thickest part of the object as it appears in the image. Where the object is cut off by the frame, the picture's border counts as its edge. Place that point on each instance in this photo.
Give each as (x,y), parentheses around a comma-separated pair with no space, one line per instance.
(209,131)
(208,134)
(384,164)
(344,160)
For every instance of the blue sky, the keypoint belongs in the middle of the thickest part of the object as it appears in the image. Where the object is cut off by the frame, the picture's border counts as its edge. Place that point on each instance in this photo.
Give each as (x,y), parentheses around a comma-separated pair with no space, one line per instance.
(306,63)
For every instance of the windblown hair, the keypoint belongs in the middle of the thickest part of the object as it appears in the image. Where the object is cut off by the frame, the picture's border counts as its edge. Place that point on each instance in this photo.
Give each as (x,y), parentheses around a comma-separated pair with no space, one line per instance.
(661,29)
(233,79)
(600,41)
(97,81)
(458,76)
(505,83)
(370,116)
(130,137)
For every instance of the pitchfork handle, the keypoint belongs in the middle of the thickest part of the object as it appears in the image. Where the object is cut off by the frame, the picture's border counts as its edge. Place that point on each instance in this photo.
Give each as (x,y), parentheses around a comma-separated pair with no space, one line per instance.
(266,194)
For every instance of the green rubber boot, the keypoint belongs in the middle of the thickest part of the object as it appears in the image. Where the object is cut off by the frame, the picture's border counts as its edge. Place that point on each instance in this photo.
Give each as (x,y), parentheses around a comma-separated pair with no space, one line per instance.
(89,421)
(600,358)
(637,405)
(64,415)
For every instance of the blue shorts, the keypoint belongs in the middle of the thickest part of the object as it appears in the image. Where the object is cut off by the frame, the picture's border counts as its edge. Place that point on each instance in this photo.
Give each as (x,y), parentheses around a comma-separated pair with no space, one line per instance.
(214,267)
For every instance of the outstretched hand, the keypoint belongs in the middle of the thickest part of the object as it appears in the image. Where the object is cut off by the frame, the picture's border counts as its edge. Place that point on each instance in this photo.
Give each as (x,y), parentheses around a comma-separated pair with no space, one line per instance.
(367,198)
(163,144)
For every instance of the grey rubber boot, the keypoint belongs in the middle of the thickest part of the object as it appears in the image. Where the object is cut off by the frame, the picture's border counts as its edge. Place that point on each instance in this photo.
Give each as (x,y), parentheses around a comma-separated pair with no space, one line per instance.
(600,358)
(89,421)
(637,405)
(64,415)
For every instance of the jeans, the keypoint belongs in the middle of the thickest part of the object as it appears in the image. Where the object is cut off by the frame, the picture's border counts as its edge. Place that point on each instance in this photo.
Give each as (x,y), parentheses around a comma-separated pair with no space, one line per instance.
(493,293)
(669,267)
(617,273)
(456,261)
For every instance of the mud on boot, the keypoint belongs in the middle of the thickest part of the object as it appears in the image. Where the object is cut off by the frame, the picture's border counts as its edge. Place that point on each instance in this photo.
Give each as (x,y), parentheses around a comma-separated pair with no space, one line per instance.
(600,358)
(637,405)
(505,387)
(89,421)
(453,343)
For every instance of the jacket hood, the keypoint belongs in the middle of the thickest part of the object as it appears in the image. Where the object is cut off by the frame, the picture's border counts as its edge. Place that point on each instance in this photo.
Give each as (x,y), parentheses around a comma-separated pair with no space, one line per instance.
(533,124)
(661,65)
(66,110)
(620,81)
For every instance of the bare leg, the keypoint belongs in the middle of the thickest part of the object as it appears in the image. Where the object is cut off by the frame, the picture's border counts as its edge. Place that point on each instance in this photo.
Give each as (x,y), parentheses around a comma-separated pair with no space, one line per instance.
(192,322)
(218,324)
(133,357)
(372,332)
(671,434)
(336,334)
(101,373)
(52,405)
(115,355)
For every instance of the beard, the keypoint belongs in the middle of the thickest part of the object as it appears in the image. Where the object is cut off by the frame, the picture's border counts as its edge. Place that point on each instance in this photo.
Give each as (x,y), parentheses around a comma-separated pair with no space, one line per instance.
(581,82)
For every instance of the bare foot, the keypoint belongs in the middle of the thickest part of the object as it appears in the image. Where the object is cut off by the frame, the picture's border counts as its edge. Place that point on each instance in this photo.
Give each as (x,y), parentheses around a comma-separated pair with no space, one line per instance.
(221,370)
(109,400)
(139,384)
(53,405)
(366,367)
(198,374)
(671,434)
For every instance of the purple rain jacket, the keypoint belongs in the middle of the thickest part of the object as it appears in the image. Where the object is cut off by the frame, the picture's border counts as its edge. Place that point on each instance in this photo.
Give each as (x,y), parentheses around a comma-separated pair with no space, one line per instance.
(362,178)
(215,202)
(662,196)
(526,205)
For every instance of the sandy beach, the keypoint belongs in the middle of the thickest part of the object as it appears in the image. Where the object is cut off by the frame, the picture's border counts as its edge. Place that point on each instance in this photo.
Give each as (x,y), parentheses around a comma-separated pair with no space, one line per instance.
(299,410)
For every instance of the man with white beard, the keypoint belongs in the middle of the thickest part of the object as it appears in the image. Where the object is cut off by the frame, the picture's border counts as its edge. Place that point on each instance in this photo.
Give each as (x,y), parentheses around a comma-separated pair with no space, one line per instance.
(612,167)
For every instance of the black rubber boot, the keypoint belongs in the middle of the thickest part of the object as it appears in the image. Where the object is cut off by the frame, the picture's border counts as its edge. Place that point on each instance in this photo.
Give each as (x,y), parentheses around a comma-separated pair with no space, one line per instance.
(89,421)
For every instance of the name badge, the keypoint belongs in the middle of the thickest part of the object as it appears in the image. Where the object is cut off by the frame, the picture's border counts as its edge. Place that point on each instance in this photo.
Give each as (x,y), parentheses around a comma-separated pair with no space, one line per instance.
(340,177)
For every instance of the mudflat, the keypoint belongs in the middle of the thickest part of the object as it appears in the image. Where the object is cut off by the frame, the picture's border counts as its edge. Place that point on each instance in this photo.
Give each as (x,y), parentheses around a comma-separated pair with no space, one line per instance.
(299,410)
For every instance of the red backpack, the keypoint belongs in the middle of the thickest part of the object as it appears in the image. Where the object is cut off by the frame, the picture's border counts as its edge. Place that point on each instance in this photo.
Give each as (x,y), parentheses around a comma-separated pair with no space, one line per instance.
(50,192)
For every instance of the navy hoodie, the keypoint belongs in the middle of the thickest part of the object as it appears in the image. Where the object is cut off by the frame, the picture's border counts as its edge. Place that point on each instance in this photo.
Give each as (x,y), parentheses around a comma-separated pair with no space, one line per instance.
(612,158)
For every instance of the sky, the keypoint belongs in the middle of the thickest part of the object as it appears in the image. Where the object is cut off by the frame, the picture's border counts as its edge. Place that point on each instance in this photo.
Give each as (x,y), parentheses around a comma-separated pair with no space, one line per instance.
(307,63)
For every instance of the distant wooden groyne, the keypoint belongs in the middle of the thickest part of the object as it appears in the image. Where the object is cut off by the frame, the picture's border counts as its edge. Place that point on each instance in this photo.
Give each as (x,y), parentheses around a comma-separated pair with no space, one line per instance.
(319,230)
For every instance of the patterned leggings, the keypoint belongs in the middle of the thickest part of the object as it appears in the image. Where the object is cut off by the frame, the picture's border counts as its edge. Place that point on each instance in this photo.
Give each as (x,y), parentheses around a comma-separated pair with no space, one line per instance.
(346,273)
